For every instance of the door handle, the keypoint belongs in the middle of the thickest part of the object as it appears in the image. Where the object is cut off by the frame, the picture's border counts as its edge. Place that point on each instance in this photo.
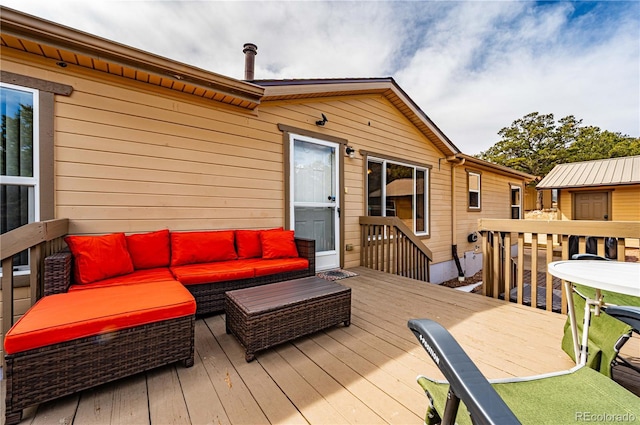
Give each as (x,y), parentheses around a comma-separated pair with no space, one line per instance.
(331,198)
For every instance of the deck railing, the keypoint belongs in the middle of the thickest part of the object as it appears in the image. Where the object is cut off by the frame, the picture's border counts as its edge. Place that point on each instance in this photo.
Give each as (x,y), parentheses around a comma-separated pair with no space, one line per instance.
(41,239)
(516,254)
(388,245)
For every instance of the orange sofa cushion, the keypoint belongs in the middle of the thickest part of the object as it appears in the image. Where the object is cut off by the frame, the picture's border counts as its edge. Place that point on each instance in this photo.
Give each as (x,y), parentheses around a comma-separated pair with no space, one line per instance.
(99,257)
(193,274)
(78,314)
(149,250)
(280,244)
(202,247)
(280,265)
(137,276)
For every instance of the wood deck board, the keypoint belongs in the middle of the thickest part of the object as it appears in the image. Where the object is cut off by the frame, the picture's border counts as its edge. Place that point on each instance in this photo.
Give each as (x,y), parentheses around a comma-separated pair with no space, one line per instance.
(364,373)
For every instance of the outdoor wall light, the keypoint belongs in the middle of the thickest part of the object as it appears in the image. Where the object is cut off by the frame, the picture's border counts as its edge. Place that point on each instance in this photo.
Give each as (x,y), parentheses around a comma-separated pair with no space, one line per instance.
(351,152)
(322,121)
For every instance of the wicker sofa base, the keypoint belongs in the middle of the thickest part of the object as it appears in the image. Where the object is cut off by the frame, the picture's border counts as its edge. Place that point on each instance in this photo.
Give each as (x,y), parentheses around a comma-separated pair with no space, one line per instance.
(210,296)
(264,316)
(43,374)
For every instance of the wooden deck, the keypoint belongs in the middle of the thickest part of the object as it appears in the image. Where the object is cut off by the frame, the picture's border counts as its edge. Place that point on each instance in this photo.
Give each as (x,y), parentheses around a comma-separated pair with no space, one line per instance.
(364,373)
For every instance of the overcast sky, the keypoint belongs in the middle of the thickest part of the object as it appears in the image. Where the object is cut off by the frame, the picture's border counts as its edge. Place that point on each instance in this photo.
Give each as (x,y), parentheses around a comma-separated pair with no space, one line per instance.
(472,66)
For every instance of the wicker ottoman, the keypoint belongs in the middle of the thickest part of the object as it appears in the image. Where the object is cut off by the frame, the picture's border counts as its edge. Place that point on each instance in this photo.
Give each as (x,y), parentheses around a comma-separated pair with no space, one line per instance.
(263,316)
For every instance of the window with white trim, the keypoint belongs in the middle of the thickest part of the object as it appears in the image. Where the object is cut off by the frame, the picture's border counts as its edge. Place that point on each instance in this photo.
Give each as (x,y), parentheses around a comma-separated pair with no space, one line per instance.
(19,168)
(516,202)
(396,189)
(473,182)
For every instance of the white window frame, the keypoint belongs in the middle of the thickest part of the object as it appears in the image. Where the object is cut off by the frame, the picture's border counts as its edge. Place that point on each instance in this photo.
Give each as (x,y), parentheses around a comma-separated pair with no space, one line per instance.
(32,182)
(383,200)
(478,191)
(519,206)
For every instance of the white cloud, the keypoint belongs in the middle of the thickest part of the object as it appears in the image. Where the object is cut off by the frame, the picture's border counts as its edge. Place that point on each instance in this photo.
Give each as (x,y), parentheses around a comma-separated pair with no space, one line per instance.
(473,67)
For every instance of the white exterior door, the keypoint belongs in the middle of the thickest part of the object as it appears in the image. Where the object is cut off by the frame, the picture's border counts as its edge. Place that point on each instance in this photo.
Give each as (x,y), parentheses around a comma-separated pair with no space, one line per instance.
(315,201)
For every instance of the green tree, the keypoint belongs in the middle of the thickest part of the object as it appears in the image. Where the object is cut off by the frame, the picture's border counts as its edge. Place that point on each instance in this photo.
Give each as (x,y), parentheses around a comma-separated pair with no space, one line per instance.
(534,143)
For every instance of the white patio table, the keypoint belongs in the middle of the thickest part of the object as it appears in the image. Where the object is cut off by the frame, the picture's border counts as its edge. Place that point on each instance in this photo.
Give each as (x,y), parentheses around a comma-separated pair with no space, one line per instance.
(613,276)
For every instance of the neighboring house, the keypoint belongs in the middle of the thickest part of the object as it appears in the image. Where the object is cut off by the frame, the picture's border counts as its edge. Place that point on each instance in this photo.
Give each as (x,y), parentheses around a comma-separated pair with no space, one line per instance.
(606,189)
(127,141)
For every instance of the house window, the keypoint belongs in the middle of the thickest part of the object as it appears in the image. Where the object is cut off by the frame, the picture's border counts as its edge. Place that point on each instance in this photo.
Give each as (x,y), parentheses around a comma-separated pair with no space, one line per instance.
(516,202)
(395,189)
(473,182)
(19,168)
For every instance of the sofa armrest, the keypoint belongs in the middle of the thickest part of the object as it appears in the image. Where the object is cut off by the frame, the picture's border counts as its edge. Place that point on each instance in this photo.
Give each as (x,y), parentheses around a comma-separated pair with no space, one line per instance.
(57,272)
(307,249)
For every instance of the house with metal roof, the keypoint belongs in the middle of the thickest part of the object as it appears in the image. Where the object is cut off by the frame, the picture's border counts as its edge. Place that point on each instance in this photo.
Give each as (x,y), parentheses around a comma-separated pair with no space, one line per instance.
(605,189)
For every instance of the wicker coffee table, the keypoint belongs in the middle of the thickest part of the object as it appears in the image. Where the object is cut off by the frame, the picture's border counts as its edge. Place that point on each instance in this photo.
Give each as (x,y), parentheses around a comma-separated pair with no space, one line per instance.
(266,315)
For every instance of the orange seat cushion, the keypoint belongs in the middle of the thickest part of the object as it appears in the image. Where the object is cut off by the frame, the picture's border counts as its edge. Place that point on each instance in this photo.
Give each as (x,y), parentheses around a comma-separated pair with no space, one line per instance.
(281,265)
(278,244)
(193,274)
(149,250)
(99,257)
(202,247)
(159,274)
(78,314)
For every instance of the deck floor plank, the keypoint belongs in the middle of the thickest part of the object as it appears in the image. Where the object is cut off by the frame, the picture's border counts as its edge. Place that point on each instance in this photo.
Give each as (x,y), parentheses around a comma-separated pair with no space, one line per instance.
(274,403)
(301,357)
(364,373)
(358,376)
(203,402)
(238,402)
(124,401)
(309,400)
(166,400)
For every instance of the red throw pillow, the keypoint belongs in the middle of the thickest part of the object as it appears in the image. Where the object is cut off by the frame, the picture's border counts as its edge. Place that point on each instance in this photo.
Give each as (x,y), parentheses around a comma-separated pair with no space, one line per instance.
(248,242)
(149,250)
(278,244)
(99,257)
(202,247)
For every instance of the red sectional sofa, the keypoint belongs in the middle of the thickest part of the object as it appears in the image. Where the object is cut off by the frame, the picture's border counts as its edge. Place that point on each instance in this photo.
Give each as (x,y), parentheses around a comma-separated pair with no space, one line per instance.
(207,263)
(118,305)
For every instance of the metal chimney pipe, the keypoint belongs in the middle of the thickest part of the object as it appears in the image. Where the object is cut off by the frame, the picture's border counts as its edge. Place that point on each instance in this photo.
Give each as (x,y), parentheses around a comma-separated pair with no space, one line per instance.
(250,51)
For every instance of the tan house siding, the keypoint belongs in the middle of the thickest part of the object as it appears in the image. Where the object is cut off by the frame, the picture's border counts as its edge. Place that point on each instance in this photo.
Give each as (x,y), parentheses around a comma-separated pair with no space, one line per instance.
(495,193)
(626,203)
(130,159)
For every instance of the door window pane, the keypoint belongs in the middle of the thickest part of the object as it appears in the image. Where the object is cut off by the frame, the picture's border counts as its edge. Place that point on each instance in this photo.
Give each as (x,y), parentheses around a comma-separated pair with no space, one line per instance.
(314,172)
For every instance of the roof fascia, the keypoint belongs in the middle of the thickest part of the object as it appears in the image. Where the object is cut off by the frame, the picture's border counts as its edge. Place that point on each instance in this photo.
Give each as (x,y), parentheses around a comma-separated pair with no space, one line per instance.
(55,35)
